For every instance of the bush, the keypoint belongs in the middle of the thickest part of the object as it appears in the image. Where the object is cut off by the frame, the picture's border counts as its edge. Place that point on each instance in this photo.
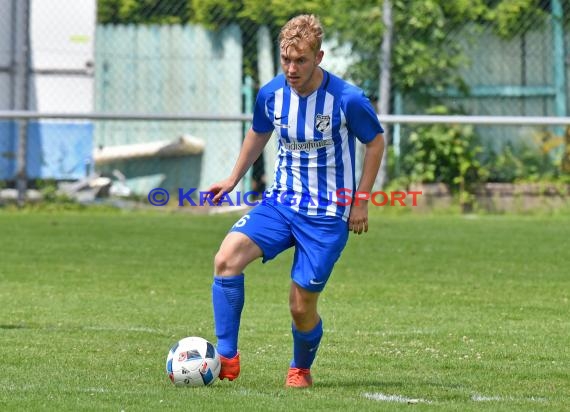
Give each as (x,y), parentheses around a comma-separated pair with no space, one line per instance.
(448,154)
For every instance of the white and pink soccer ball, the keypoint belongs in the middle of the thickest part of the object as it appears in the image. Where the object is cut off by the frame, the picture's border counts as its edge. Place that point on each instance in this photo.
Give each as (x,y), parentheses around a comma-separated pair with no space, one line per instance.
(193,361)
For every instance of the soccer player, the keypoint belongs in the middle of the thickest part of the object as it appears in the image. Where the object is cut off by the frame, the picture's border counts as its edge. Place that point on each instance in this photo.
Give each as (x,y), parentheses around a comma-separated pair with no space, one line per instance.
(316,117)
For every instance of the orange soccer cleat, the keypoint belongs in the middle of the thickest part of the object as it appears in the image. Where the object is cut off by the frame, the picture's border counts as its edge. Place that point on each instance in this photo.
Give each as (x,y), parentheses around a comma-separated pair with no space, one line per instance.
(230,367)
(299,378)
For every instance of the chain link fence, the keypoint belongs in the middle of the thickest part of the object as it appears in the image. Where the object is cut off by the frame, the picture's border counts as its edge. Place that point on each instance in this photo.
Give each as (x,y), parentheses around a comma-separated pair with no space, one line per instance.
(172,58)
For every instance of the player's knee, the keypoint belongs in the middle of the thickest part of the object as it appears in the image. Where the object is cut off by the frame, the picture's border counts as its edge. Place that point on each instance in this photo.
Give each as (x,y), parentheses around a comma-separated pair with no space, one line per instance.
(222,264)
(229,261)
(299,312)
(304,319)
(235,253)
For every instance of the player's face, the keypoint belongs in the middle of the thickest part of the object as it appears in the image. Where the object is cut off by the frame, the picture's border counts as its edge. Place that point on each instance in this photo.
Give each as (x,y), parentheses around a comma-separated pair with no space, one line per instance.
(299,65)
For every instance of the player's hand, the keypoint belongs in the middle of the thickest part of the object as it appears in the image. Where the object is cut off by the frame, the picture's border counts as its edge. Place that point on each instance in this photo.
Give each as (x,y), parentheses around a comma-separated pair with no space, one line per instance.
(219,189)
(358,218)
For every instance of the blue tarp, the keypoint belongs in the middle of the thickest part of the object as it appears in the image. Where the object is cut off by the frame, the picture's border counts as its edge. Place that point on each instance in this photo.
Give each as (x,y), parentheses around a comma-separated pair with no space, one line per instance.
(55,150)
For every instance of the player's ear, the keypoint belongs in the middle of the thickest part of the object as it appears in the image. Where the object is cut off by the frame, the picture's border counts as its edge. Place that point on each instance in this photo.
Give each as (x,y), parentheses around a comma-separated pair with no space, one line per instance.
(319,56)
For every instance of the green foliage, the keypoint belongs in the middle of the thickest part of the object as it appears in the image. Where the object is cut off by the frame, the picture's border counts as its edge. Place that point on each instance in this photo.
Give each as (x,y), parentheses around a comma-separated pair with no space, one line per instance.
(143,11)
(443,154)
(275,13)
(250,15)
(520,162)
(49,192)
(454,156)
(424,57)
(216,14)
(552,145)
(512,17)
(51,198)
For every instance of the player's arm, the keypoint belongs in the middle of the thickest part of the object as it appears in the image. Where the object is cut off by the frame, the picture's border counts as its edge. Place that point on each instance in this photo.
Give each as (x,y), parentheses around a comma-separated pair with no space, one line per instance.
(358,219)
(251,149)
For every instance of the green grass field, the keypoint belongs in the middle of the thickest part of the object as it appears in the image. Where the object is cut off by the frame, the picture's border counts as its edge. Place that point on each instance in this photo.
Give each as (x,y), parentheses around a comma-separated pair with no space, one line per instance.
(460,313)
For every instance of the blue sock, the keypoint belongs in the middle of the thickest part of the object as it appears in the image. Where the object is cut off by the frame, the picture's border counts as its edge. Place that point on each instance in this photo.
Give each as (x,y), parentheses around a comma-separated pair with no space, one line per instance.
(228,295)
(305,345)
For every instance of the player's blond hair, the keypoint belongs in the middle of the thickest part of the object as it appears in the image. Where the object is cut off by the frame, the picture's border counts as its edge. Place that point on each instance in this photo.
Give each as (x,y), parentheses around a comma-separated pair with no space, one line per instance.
(305,27)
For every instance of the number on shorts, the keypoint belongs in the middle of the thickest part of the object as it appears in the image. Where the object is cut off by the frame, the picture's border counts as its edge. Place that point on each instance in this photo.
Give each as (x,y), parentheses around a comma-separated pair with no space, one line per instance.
(242,221)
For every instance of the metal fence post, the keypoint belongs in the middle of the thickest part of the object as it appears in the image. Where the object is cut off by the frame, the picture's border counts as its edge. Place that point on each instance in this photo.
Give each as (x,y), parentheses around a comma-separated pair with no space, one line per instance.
(21,175)
(21,80)
(559,61)
(248,99)
(385,85)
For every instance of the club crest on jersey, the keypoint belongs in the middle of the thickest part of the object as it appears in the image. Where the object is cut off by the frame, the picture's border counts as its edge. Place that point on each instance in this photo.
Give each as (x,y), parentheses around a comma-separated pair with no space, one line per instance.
(322,122)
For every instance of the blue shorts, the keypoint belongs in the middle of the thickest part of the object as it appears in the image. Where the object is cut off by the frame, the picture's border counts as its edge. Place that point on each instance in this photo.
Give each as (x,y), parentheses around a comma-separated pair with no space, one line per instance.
(318,240)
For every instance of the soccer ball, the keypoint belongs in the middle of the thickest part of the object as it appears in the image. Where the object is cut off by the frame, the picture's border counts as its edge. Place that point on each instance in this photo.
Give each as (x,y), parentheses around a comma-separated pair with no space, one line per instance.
(193,361)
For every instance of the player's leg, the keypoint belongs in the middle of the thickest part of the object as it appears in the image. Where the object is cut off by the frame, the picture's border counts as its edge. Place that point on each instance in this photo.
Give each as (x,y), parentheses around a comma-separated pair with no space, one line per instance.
(303,307)
(236,252)
(319,243)
(228,296)
(263,232)
(307,330)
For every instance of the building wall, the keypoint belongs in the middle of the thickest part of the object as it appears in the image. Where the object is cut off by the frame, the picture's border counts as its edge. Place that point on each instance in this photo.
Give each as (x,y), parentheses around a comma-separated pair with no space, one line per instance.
(60,79)
(170,70)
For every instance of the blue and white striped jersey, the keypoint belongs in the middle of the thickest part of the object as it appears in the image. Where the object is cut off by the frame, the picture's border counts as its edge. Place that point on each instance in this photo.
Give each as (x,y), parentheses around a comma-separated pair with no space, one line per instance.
(316,154)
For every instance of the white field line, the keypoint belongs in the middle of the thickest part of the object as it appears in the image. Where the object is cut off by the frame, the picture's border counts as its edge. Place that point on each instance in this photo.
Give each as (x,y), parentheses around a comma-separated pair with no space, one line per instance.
(393,398)
(494,398)
(122,329)
(381,397)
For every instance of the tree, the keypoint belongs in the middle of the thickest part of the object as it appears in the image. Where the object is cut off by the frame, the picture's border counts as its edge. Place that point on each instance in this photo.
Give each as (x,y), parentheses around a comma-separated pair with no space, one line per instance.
(250,15)
(425,56)
(143,11)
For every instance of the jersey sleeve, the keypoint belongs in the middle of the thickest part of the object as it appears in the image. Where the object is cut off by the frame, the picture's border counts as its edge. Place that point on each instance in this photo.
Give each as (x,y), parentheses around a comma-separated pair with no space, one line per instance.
(361,118)
(261,121)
